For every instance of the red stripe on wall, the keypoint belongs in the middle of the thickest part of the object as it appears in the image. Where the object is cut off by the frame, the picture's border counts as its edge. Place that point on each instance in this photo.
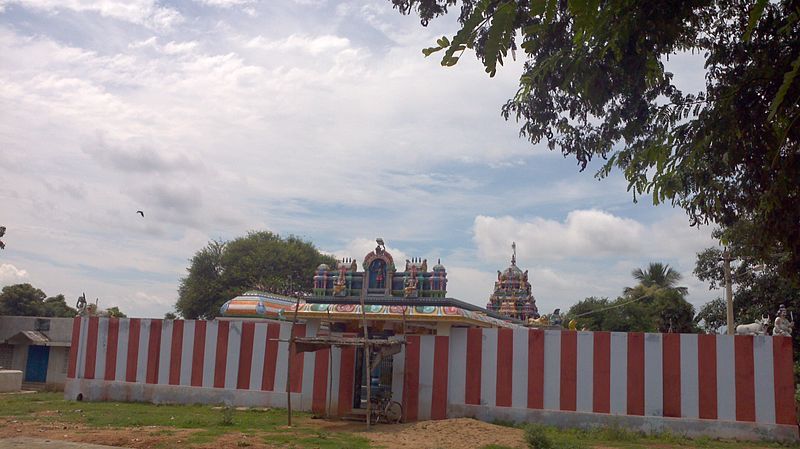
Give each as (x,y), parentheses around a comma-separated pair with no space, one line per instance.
(175,353)
(411,379)
(784,380)
(91,349)
(221,359)
(569,369)
(153,352)
(472,388)
(245,355)
(319,394)
(73,349)
(536,368)
(636,373)
(297,361)
(601,373)
(134,327)
(346,373)
(270,357)
(198,353)
(111,349)
(441,355)
(744,368)
(671,378)
(707,375)
(505,356)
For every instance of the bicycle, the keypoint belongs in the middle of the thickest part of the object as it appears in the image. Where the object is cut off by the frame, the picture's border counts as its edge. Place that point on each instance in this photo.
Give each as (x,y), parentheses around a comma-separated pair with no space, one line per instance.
(384,408)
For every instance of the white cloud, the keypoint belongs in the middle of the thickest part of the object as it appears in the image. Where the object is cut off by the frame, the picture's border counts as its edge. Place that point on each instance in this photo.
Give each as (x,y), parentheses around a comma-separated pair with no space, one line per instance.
(143,12)
(9,274)
(584,233)
(313,45)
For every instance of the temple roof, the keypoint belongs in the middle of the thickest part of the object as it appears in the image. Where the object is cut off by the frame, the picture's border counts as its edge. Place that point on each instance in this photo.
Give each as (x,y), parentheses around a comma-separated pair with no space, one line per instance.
(267,305)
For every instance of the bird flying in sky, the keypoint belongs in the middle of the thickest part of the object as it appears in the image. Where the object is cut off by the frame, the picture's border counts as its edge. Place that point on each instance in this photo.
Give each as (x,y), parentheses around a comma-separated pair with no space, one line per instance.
(140,213)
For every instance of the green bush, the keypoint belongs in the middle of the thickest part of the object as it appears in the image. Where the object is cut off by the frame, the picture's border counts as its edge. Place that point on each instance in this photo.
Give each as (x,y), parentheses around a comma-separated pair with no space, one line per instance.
(536,437)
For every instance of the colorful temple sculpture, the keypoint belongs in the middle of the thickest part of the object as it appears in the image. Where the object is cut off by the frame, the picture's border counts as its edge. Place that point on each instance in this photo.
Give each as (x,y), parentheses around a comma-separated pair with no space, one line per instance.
(412,301)
(512,296)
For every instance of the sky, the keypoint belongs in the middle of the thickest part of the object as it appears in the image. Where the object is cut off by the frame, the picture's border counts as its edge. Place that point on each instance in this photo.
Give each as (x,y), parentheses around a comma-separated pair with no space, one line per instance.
(315,118)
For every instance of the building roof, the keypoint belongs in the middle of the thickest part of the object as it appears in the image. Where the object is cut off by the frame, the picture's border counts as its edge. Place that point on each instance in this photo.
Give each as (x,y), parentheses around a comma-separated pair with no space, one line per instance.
(266,305)
(35,338)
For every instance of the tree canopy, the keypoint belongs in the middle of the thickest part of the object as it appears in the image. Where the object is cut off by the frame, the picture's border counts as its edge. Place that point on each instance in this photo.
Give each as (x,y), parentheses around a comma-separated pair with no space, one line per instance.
(656,304)
(260,260)
(27,300)
(595,85)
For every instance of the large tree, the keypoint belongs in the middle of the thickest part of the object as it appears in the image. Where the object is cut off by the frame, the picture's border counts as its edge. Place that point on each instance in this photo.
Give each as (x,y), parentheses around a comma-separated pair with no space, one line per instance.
(27,300)
(260,260)
(595,85)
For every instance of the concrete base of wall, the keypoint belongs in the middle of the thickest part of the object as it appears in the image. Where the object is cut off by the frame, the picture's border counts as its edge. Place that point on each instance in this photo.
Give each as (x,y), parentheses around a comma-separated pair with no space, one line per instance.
(10,380)
(648,424)
(101,390)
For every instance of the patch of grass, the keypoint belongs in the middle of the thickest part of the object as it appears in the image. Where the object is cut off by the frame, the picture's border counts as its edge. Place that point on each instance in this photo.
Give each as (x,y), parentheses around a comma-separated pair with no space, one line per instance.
(505,423)
(320,440)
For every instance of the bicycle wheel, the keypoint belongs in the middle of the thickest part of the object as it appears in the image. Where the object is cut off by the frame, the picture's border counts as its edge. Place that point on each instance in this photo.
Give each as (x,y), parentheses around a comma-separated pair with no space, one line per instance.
(393,412)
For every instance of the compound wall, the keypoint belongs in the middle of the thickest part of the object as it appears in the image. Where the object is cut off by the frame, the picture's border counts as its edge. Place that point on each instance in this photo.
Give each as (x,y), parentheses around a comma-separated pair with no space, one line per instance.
(719,385)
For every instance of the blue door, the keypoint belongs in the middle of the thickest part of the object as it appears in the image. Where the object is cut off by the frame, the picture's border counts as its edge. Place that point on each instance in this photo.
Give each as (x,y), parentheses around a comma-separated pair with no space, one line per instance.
(36,368)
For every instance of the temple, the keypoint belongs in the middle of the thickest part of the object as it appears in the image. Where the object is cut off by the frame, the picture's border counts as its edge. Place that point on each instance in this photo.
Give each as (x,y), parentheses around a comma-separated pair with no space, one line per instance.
(412,301)
(512,295)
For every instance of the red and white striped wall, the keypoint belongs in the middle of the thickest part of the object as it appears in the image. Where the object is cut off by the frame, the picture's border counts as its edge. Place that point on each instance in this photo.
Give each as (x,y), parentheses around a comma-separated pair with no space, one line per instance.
(225,355)
(718,377)
(736,379)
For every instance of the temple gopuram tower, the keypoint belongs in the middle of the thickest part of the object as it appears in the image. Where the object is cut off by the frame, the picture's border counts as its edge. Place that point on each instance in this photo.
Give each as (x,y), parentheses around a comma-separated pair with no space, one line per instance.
(512,295)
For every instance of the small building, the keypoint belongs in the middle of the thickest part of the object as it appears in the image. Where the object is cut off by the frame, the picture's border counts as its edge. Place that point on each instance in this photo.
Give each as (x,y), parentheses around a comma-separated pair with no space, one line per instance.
(37,346)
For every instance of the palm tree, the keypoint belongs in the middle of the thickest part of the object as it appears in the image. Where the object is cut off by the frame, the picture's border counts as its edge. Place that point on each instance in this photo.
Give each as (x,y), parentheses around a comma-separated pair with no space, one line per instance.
(658,288)
(657,276)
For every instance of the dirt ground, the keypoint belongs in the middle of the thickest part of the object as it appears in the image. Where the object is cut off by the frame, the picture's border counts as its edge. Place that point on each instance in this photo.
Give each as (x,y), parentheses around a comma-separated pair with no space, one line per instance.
(461,433)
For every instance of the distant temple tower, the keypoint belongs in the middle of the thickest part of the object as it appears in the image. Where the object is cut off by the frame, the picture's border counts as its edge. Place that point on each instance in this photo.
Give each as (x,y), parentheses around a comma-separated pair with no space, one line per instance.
(512,295)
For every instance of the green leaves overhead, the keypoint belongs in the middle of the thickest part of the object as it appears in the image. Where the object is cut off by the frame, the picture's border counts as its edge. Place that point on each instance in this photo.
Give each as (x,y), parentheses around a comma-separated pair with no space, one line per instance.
(594,85)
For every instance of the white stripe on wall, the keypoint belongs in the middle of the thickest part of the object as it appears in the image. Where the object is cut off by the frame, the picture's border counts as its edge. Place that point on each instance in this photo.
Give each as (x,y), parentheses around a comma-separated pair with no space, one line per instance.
(619,374)
(552,370)
(309,361)
(187,351)
(457,367)
(81,367)
(764,379)
(122,349)
(489,367)
(335,367)
(726,386)
(232,361)
(165,355)
(144,342)
(426,351)
(281,363)
(585,372)
(102,344)
(690,390)
(210,353)
(653,376)
(259,349)
(398,370)
(519,369)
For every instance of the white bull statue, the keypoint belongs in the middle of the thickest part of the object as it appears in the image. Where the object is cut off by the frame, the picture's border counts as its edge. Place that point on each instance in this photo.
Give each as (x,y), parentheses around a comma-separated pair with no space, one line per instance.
(757,328)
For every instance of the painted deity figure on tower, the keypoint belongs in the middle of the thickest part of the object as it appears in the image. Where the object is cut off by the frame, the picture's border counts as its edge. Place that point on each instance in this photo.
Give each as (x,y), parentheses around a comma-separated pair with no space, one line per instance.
(783,326)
